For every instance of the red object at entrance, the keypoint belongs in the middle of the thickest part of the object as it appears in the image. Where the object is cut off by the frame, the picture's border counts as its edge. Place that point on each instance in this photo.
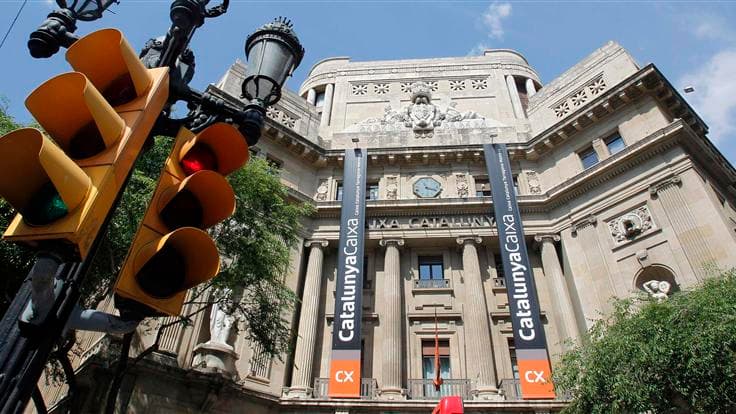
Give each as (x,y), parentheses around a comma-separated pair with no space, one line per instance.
(449,405)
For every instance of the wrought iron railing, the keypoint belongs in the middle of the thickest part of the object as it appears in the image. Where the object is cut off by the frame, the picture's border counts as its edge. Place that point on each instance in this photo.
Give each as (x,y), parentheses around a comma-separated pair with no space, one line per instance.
(432,283)
(512,390)
(368,387)
(423,389)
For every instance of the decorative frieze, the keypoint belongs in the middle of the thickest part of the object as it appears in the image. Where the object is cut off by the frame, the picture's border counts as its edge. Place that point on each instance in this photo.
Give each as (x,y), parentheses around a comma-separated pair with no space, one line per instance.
(457,85)
(359,89)
(579,96)
(281,117)
(381,88)
(632,224)
(479,84)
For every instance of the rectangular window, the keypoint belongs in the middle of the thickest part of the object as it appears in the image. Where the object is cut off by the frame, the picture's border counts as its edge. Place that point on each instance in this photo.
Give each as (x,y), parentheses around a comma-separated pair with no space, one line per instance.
(515,367)
(319,100)
(482,187)
(615,143)
(428,367)
(431,268)
(338,193)
(260,362)
(498,263)
(371,191)
(515,179)
(589,158)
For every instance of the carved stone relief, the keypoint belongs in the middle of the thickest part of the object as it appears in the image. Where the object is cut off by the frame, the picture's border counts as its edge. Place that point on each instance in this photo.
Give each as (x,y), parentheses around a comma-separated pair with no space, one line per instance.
(281,117)
(461,181)
(322,191)
(392,187)
(630,225)
(590,89)
(422,116)
(535,187)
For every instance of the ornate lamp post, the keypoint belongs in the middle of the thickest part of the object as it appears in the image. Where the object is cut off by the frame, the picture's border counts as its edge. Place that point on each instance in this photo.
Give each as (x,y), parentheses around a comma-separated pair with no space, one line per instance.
(58,29)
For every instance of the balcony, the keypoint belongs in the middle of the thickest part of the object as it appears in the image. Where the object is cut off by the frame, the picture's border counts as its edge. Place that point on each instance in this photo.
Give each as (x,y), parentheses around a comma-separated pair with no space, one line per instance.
(432,284)
(423,389)
(511,389)
(368,388)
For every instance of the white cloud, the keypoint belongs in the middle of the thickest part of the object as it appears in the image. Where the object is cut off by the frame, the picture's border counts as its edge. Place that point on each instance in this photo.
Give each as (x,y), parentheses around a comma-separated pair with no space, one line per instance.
(493,19)
(478,49)
(710,27)
(715,93)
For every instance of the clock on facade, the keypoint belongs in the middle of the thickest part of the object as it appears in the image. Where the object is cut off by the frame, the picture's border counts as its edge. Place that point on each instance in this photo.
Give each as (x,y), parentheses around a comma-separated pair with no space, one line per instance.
(427,187)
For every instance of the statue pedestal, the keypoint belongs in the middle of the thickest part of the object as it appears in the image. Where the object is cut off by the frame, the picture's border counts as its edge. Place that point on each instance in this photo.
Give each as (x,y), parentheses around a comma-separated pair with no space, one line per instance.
(215,358)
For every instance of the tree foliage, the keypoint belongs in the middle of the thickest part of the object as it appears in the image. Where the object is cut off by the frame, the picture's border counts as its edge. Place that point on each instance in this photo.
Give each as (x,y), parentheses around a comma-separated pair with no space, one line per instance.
(677,356)
(254,243)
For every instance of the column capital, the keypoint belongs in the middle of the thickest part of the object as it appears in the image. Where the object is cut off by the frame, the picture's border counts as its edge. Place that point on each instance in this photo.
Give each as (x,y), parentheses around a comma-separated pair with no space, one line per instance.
(589,220)
(654,189)
(391,242)
(549,238)
(462,240)
(316,243)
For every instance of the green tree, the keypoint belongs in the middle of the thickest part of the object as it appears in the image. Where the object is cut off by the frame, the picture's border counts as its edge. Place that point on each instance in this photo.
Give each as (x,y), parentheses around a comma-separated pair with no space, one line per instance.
(675,356)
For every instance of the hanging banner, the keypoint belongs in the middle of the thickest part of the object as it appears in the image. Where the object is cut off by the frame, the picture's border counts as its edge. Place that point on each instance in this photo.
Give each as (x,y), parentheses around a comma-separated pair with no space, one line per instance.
(345,364)
(531,345)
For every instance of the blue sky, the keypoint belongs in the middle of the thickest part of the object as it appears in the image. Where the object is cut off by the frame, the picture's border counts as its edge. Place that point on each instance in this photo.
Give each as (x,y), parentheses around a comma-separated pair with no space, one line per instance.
(692,42)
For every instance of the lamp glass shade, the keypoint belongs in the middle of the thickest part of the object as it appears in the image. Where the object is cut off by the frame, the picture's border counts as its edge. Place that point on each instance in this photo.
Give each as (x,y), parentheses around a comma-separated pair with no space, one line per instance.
(270,62)
(87,10)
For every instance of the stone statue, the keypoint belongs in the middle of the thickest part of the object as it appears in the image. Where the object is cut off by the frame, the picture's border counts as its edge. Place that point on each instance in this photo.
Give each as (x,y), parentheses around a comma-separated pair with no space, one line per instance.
(221,324)
(422,115)
(452,114)
(391,117)
(657,289)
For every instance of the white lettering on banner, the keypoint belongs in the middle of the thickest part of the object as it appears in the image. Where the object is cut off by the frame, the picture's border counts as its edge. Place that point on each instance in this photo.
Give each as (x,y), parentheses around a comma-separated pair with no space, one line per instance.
(346,317)
(520,287)
(538,376)
(344,376)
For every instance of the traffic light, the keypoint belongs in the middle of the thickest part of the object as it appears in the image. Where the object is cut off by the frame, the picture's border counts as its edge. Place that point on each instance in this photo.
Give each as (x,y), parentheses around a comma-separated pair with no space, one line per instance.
(97,119)
(171,251)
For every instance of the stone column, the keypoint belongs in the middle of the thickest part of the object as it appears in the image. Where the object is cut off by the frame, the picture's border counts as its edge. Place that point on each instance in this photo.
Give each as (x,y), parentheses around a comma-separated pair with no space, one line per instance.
(477,329)
(311,96)
(515,100)
(327,107)
(564,312)
(391,319)
(688,232)
(530,88)
(301,380)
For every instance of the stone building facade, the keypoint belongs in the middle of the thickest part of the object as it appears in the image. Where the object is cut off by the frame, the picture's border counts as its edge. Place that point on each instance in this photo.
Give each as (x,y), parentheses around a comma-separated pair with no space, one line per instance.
(619,187)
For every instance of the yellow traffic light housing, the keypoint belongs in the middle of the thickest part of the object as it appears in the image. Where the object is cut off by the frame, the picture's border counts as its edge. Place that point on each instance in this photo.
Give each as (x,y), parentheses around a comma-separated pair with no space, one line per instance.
(171,252)
(98,118)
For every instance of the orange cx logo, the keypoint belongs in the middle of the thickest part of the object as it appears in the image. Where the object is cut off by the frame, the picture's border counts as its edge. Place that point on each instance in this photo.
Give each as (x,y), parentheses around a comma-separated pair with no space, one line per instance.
(535,379)
(344,379)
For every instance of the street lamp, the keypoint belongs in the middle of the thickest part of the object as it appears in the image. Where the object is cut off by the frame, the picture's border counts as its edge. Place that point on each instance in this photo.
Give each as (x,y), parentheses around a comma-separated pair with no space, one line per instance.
(273,52)
(58,29)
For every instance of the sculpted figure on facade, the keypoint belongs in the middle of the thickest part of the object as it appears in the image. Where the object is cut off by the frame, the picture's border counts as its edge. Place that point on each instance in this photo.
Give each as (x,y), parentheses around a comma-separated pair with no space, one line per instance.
(462,185)
(657,289)
(392,188)
(221,324)
(422,115)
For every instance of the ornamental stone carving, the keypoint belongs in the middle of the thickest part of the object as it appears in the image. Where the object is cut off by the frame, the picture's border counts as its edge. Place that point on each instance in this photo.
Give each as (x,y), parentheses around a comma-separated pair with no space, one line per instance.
(630,225)
(462,185)
(421,115)
(533,180)
(659,290)
(392,188)
(322,191)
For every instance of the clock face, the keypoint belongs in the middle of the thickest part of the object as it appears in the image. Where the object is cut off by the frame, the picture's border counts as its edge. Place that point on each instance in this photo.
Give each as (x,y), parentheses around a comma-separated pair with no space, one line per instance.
(427,187)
